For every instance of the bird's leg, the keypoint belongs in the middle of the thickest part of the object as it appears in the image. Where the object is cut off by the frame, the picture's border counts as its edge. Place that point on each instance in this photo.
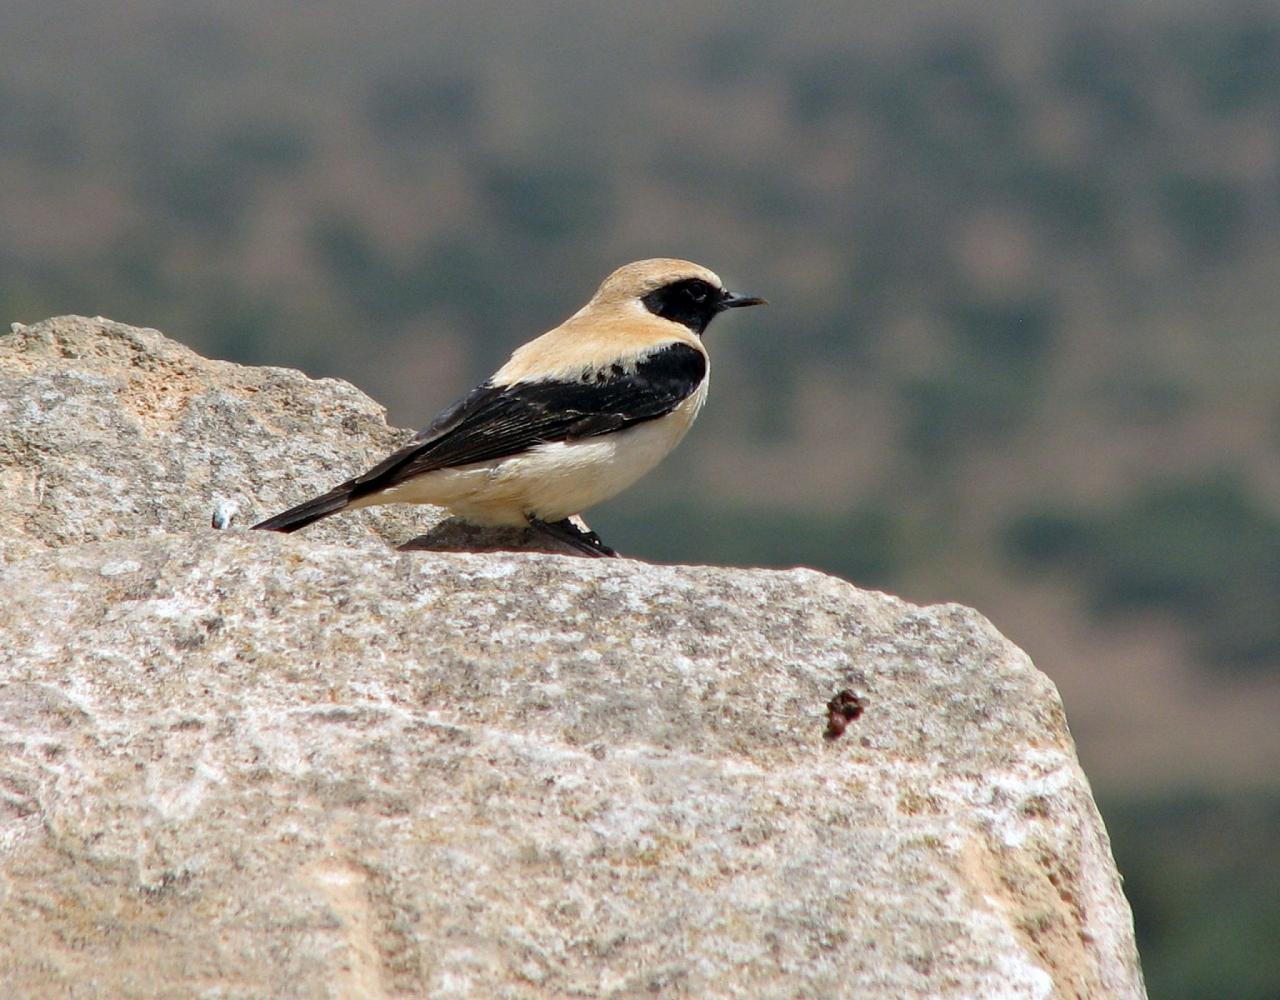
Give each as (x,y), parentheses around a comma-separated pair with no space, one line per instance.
(586,542)
(593,540)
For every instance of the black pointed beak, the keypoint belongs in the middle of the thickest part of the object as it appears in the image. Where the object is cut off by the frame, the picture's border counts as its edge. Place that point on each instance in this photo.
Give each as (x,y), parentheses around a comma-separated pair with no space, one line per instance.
(732,300)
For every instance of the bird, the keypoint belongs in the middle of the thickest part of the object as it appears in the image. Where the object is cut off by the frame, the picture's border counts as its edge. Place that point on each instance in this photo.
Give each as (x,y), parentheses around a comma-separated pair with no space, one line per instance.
(573,418)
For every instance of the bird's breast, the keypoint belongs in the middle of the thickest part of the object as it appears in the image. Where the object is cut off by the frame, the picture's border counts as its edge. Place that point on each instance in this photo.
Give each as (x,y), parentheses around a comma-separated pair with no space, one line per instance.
(559,479)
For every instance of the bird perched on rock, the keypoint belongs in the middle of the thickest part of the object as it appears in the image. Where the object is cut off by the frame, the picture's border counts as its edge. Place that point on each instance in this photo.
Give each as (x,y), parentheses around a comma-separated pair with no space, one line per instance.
(573,418)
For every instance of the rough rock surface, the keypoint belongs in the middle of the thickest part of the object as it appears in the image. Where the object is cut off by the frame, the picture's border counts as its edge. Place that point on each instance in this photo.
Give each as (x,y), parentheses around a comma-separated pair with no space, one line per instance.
(235,764)
(110,431)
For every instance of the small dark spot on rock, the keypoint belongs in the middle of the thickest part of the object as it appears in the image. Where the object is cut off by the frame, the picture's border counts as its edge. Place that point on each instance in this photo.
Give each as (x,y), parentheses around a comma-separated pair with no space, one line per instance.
(842,710)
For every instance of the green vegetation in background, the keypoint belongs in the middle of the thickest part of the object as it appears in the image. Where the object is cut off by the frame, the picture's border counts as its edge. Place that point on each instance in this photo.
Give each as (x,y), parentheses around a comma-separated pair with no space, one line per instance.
(204,187)
(547,202)
(1203,549)
(1202,874)
(417,106)
(988,385)
(1207,213)
(1233,61)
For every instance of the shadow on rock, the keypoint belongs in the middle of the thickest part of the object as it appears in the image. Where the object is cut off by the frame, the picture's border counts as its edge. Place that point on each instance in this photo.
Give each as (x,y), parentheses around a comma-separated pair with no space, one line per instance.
(456,535)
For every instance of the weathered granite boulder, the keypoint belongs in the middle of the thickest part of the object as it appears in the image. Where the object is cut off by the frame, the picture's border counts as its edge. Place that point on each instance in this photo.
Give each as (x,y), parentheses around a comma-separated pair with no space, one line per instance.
(236,764)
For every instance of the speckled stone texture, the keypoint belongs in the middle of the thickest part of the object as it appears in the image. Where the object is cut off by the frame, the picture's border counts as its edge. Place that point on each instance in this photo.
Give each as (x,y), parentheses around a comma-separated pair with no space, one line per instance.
(236,764)
(110,431)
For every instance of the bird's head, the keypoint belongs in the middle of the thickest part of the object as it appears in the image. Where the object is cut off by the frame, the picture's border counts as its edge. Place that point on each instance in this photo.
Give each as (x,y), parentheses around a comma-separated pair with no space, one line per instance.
(675,290)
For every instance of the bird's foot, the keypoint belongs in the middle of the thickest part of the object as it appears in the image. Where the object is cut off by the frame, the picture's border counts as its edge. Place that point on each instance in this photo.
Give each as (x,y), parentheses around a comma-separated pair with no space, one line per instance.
(586,542)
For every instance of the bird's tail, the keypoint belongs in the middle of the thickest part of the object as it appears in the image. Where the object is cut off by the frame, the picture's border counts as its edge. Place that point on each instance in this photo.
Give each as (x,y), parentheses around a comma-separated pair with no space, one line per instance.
(309,512)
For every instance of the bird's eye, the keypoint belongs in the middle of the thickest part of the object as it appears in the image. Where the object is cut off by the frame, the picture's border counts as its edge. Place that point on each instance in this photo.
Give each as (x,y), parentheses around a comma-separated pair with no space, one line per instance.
(697,292)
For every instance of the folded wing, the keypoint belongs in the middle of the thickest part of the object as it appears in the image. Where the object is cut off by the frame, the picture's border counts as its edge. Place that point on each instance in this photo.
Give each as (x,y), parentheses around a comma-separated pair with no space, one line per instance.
(494,422)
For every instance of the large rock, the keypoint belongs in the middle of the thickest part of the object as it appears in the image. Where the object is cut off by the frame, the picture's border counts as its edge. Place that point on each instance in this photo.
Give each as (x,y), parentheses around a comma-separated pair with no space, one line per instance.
(237,764)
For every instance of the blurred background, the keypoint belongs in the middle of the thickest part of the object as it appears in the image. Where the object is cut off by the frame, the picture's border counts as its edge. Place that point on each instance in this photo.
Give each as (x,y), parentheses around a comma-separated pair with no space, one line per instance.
(1022,352)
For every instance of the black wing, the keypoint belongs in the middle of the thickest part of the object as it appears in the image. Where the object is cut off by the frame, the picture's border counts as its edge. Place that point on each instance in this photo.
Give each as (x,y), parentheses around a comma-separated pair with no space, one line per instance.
(497,421)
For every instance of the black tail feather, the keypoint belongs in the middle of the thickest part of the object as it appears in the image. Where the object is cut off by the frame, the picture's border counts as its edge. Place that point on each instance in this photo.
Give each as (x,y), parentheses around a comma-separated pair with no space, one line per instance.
(310,511)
